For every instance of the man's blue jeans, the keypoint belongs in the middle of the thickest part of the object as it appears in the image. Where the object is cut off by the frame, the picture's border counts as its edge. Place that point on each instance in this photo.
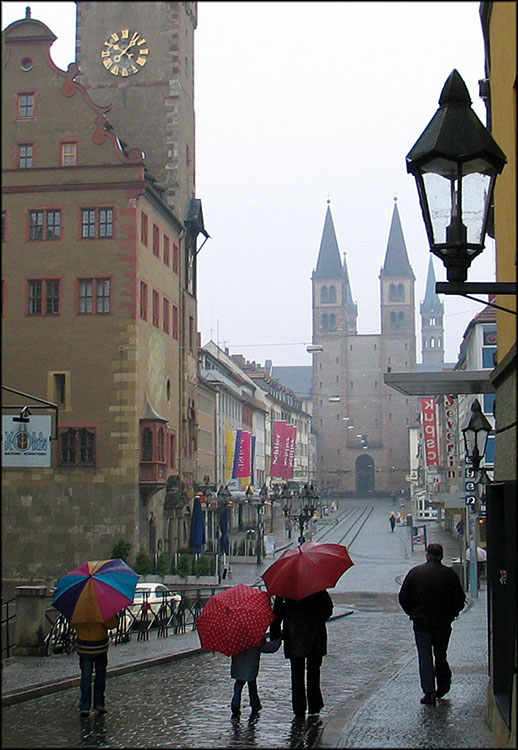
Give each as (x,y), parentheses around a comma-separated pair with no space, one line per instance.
(432,646)
(88,662)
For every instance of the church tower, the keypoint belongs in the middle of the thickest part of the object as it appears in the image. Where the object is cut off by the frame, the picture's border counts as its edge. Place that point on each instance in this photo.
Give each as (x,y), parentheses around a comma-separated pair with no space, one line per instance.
(432,322)
(139,57)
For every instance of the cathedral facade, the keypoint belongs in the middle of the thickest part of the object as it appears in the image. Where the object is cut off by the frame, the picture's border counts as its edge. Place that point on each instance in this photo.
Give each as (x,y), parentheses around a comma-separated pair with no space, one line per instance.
(360,423)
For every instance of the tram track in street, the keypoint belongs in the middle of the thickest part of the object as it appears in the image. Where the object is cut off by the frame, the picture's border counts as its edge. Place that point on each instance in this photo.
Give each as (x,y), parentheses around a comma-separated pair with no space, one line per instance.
(353,519)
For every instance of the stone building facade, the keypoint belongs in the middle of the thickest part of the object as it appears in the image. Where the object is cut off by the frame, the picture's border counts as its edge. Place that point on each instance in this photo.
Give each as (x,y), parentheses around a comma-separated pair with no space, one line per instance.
(360,424)
(99,289)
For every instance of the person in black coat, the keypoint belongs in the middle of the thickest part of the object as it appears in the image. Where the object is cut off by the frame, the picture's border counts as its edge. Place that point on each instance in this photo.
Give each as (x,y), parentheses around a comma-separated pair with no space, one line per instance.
(432,596)
(305,643)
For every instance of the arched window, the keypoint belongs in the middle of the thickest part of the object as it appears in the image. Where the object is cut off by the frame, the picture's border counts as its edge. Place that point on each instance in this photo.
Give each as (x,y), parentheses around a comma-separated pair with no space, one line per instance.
(332,294)
(392,293)
(393,320)
(432,343)
(332,322)
(400,292)
(439,342)
(323,294)
(432,321)
(325,322)
(401,320)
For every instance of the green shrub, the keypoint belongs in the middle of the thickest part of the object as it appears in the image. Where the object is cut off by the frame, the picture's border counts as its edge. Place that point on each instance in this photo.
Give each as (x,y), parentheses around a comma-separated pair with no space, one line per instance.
(162,564)
(201,566)
(121,550)
(143,563)
(183,567)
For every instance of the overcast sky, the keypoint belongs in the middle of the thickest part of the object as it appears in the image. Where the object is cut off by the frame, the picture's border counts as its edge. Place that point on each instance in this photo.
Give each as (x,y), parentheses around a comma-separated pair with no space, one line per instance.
(298,103)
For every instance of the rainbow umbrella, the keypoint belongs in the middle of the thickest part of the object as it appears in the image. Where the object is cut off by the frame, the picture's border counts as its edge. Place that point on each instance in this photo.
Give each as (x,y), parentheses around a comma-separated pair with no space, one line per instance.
(95,591)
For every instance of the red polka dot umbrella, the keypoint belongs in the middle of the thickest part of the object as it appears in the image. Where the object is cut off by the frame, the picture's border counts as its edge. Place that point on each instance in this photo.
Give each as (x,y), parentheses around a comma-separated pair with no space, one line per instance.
(306,569)
(235,619)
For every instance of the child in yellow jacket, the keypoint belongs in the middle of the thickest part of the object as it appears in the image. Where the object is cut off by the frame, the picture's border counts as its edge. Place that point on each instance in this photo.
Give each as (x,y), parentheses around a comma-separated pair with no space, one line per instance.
(92,647)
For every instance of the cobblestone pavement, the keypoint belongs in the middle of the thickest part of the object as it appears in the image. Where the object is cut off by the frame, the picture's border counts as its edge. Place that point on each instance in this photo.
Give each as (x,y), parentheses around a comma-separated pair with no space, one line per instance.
(369,677)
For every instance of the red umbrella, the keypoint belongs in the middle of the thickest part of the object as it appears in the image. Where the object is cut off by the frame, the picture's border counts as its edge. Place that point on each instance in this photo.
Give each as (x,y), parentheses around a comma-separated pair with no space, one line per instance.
(235,619)
(307,569)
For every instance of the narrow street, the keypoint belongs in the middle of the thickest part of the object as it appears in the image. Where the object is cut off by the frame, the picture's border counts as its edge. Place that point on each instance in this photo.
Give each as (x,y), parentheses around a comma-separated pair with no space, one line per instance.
(186,703)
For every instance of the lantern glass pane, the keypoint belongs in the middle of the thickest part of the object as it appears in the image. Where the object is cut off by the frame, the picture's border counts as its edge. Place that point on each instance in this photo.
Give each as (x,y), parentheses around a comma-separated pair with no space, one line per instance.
(438,194)
(476,196)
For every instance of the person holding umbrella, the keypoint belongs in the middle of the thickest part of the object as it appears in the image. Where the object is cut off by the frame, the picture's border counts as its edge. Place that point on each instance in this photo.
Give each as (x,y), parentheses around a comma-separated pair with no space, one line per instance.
(92,647)
(244,668)
(302,605)
(90,597)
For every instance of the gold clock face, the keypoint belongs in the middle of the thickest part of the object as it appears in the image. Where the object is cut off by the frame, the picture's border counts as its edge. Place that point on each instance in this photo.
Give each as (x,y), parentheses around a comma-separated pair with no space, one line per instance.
(124,53)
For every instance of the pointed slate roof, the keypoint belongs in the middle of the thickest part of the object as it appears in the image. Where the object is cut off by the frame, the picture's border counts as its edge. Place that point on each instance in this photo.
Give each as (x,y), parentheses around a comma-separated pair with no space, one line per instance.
(396,258)
(431,301)
(329,265)
(348,293)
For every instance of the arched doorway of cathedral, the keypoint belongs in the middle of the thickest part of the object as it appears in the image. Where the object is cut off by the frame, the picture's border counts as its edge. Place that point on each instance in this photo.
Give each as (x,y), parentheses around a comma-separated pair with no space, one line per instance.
(364,473)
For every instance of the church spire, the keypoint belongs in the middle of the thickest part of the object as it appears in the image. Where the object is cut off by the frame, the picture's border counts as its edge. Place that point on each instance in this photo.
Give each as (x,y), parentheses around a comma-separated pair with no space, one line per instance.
(396,258)
(431,300)
(329,265)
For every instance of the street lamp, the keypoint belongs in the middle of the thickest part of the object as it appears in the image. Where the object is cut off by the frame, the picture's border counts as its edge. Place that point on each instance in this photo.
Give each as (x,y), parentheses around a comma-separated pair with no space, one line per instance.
(455,162)
(260,511)
(476,433)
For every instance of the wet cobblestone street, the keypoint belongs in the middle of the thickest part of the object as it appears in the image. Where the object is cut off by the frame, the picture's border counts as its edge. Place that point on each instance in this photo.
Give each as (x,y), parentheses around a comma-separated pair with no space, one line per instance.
(187,703)
(370,680)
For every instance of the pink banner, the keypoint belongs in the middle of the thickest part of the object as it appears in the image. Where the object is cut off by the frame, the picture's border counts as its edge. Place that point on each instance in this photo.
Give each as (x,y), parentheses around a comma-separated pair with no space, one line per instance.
(245,454)
(278,446)
(289,453)
(431,442)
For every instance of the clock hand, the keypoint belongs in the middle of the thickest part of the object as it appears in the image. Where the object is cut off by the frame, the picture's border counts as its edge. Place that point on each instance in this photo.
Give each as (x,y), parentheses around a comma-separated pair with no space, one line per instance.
(117,58)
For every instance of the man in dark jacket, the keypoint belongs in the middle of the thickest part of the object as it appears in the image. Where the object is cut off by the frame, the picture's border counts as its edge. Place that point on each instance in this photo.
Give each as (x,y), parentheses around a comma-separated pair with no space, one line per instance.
(432,596)
(305,643)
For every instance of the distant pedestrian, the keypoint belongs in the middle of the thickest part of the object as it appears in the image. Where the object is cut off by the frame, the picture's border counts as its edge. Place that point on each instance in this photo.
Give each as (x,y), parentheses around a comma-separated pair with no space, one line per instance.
(305,643)
(92,647)
(288,527)
(244,668)
(432,596)
(392,519)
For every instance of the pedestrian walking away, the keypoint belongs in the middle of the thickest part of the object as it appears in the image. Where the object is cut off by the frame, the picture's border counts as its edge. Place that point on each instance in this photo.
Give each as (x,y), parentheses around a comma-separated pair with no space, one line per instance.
(92,647)
(244,668)
(305,644)
(392,519)
(432,596)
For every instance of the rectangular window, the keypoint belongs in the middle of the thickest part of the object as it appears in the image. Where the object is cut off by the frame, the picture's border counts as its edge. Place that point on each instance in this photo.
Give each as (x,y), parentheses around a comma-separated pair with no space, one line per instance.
(25,105)
(44,225)
(172,452)
(94,296)
(156,312)
(52,301)
(143,228)
(489,403)
(25,152)
(487,356)
(4,222)
(69,154)
(43,297)
(59,388)
(165,314)
(175,331)
(143,300)
(97,223)
(77,446)
(175,258)
(166,250)
(156,241)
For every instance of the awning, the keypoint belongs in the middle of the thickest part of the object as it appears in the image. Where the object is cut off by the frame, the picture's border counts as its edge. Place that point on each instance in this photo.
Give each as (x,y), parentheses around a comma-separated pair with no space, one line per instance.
(440,383)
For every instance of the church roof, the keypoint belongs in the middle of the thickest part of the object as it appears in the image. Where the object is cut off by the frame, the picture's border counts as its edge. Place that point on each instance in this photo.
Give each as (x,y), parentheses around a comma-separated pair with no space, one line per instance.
(396,258)
(431,300)
(329,265)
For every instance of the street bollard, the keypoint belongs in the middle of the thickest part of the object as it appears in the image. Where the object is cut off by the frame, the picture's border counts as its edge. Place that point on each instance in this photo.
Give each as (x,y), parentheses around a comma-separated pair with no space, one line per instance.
(31,603)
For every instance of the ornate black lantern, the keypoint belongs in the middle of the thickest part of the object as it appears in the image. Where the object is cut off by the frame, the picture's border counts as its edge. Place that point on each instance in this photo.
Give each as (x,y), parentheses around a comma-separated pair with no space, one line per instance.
(455,162)
(475,434)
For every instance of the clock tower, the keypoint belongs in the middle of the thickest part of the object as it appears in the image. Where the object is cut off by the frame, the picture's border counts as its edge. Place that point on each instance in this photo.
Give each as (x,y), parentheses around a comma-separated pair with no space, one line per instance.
(139,58)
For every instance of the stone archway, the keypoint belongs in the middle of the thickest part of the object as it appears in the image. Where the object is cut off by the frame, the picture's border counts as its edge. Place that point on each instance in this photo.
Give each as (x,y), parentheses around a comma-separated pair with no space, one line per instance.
(364,473)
